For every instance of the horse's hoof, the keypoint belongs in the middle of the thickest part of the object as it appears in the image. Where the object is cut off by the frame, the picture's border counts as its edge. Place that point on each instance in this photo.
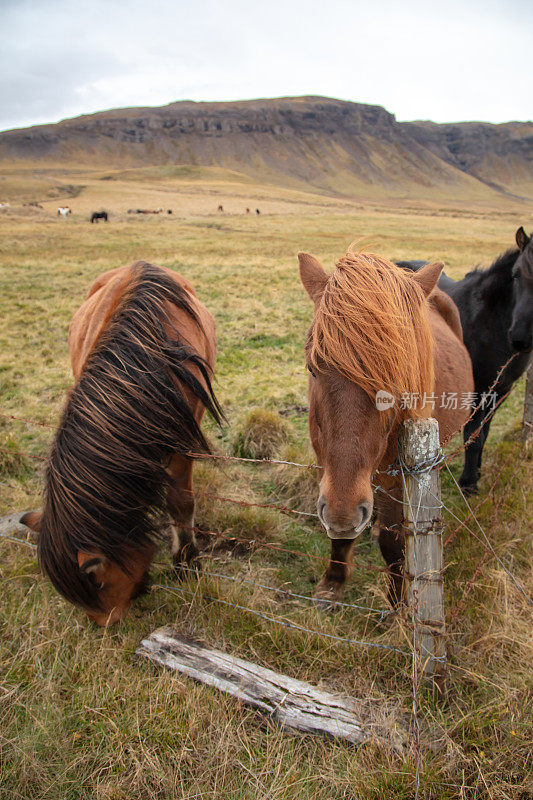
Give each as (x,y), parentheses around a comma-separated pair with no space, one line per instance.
(326,596)
(324,606)
(186,569)
(469,490)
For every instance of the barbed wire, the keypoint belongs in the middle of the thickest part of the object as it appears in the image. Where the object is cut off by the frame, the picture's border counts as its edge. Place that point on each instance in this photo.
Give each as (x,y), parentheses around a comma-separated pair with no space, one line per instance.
(19,541)
(383,612)
(488,543)
(28,421)
(275,620)
(226,457)
(488,494)
(285,623)
(485,543)
(284,509)
(18,453)
(256,543)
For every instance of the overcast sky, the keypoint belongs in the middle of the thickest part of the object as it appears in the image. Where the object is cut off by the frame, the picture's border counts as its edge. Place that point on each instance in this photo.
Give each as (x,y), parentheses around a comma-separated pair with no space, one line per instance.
(451,61)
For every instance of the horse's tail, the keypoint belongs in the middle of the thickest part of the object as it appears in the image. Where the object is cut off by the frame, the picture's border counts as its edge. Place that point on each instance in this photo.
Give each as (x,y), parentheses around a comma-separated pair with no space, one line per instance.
(127,416)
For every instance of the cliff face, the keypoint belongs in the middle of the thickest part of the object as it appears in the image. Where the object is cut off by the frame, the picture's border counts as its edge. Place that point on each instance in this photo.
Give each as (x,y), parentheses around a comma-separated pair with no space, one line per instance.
(320,143)
(499,155)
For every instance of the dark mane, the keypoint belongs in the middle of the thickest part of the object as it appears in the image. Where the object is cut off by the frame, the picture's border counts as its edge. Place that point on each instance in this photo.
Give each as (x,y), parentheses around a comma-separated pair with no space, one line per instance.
(124,420)
(497,278)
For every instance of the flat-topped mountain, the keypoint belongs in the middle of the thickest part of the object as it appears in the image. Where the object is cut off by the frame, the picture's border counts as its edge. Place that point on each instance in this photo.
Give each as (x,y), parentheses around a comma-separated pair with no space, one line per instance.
(316,143)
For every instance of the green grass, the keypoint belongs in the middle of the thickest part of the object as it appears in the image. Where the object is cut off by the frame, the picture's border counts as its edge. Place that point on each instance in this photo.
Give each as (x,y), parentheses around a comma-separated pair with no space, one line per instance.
(81,716)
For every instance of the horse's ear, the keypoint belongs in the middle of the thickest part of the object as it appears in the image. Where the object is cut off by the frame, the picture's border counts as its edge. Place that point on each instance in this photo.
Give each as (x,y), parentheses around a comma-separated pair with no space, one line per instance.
(93,564)
(312,275)
(428,277)
(522,239)
(32,519)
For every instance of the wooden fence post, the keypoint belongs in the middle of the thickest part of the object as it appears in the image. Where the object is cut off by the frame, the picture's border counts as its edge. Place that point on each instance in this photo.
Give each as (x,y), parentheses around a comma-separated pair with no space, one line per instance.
(527,421)
(419,449)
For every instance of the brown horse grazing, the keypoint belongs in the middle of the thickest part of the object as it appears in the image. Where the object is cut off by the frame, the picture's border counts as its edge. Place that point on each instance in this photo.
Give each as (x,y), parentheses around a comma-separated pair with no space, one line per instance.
(377,330)
(142,348)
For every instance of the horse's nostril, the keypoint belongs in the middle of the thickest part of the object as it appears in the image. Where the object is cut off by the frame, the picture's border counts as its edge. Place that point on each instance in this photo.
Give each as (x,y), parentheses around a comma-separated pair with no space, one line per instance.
(366,513)
(320,506)
(521,344)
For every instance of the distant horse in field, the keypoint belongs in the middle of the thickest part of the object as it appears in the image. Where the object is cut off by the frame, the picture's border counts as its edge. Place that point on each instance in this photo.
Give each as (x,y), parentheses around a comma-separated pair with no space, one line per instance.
(257,211)
(142,348)
(64,211)
(496,309)
(220,208)
(247,210)
(96,215)
(145,211)
(378,332)
(169,211)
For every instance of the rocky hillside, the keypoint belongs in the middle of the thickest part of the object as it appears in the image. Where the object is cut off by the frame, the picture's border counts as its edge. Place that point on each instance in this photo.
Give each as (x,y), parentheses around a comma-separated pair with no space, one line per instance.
(306,142)
(499,155)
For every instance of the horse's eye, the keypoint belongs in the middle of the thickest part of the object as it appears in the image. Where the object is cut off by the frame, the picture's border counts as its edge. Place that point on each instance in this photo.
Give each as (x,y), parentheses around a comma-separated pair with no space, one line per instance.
(311,371)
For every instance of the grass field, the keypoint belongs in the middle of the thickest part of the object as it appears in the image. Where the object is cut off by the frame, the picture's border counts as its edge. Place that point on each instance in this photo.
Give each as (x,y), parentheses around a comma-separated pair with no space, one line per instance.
(80,715)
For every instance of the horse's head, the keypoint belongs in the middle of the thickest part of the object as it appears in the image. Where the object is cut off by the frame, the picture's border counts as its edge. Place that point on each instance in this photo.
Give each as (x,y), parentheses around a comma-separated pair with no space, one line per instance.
(89,578)
(369,344)
(521,330)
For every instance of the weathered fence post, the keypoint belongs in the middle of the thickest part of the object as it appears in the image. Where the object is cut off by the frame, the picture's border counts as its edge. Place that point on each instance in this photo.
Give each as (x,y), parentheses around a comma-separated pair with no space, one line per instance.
(419,451)
(527,421)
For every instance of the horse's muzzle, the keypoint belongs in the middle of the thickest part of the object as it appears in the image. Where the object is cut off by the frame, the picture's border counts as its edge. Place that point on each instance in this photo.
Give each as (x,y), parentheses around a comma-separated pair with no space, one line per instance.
(342,526)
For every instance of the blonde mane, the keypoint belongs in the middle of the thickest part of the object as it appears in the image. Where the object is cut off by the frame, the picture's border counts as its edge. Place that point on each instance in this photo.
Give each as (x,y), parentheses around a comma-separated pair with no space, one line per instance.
(372,326)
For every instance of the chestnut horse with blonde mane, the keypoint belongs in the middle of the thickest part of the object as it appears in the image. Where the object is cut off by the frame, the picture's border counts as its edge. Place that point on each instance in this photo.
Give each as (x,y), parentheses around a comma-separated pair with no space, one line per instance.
(142,348)
(378,333)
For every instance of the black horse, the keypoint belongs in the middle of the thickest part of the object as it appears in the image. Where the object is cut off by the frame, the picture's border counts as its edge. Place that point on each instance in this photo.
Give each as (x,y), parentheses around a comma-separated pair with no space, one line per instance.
(96,215)
(496,309)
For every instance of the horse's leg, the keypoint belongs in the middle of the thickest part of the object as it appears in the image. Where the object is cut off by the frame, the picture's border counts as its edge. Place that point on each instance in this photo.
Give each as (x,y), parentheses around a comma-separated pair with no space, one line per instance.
(483,437)
(180,502)
(392,542)
(332,583)
(470,475)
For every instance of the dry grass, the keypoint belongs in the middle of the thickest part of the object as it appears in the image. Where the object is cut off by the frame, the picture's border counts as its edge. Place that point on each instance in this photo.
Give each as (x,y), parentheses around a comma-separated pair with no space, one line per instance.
(80,716)
(260,435)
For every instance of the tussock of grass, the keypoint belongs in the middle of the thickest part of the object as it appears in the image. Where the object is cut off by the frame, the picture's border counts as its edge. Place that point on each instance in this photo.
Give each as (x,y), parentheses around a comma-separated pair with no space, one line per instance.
(260,435)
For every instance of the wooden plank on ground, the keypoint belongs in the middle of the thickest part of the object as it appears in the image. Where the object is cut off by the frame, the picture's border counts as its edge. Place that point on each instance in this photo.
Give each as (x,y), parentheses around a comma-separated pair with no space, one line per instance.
(12,525)
(292,703)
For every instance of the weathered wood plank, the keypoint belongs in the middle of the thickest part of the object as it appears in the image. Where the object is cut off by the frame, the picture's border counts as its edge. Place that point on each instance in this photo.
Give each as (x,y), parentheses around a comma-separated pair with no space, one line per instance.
(292,703)
(419,447)
(12,525)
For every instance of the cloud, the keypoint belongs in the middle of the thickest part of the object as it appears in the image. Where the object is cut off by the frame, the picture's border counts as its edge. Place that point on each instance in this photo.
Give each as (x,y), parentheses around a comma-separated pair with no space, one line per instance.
(420,60)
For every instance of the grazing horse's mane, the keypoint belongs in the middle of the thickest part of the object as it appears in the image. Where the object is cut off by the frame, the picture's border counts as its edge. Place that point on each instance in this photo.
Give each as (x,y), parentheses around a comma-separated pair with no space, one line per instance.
(124,420)
(371,325)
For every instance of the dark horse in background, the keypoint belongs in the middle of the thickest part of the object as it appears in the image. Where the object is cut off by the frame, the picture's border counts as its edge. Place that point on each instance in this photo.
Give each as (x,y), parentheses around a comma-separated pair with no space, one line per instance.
(96,215)
(142,348)
(496,310)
